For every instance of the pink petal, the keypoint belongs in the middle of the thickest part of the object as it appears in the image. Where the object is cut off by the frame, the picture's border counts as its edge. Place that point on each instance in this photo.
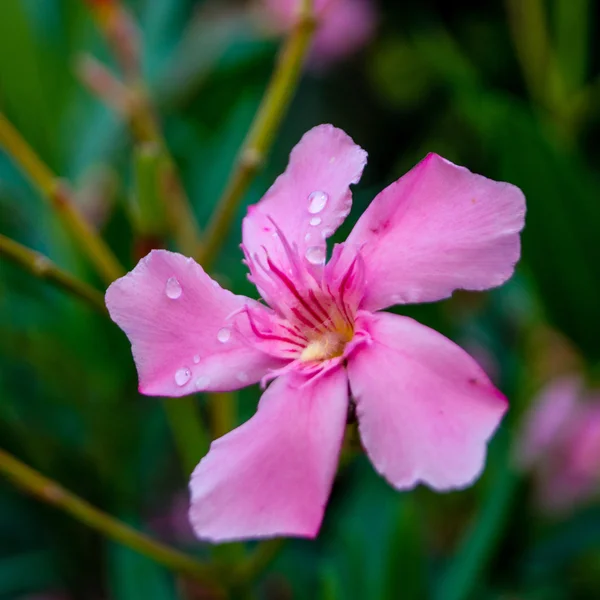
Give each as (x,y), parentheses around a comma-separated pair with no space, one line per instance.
(548,420)
(437,229)
(309,200)
(585,452)
(345,27)
(567,472)
(175,315)
(425,408)
(272,476)
(559,489)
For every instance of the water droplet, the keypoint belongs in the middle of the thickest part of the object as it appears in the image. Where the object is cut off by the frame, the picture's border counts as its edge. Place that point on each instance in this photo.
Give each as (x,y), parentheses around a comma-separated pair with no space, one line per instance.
(182,376)
(307,237)
(315,255)
(315,221)
(215,284)
(196,359)
(317,201)
(242,376)
(224,334)
(202,382)
(173,288)
(327,232)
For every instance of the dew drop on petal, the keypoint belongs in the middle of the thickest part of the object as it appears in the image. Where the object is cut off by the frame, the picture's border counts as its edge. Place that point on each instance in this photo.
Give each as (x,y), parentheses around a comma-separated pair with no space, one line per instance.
(315,221)
(202,382)
(196,359)
(326,233)
(182,376)
(315,255)
(242,377)
(224,334)
(173,288)
(307,237)
(317,201)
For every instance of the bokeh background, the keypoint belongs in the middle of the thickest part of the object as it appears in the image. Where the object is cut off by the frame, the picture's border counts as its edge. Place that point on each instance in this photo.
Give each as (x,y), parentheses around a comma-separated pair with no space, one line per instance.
(509,89)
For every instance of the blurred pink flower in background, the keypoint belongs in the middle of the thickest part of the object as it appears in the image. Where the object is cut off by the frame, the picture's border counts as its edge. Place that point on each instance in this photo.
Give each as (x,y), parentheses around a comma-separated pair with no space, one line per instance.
(343,26)
(560,444)
(425,408)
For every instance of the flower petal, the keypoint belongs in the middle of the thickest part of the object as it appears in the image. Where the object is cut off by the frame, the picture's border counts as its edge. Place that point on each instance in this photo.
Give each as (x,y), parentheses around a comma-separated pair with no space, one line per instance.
(437,229)
(548,420)
(175,316)
(310,200)
(344,28)
(272,476)
(425,408)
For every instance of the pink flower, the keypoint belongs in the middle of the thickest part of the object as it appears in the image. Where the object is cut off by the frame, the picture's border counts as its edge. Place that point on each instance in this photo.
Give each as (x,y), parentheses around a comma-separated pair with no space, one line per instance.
(343,26)
(425,408)
(560,443)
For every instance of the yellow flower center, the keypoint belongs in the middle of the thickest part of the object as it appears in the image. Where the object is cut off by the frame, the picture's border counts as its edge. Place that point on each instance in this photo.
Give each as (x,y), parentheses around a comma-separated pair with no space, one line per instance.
(327,345)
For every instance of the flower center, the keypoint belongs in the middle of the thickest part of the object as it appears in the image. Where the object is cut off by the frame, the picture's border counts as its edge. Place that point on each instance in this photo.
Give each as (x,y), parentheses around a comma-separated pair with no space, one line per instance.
(313,307)
(327,345)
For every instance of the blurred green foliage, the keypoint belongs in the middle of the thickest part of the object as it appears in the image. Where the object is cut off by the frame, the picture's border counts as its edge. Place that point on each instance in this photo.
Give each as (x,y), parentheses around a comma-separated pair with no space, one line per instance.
(490,86)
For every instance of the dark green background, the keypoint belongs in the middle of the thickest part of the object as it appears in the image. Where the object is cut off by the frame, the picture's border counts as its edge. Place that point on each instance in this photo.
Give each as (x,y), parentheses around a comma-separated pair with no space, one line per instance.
(439,76)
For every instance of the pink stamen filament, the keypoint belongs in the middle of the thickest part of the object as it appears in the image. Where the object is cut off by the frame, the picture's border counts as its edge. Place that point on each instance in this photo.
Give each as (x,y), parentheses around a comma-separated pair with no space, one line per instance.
(267,336)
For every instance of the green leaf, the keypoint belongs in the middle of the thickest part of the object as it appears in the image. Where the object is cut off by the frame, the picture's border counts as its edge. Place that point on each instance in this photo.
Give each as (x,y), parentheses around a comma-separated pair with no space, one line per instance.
(406,575)
(572,25)
(560,238)
(135,577)
(460,578)
(24,93)
(31,572)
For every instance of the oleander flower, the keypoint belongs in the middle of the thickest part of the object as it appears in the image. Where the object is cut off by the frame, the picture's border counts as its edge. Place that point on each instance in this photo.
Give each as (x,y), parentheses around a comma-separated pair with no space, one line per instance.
(343,26)
(559,443)
(425,408)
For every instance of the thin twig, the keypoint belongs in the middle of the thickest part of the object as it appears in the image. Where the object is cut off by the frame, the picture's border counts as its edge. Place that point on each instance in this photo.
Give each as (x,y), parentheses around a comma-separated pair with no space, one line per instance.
(121,34)
(50,492)
(267,120)
(42,267)
(60,198)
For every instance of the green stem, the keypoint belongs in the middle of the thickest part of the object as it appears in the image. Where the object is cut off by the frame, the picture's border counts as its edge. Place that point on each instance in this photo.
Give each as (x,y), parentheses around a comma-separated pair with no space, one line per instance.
(61,200)
(144,125)
(145,130)
(50,492)
(42,267)
(267,120)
